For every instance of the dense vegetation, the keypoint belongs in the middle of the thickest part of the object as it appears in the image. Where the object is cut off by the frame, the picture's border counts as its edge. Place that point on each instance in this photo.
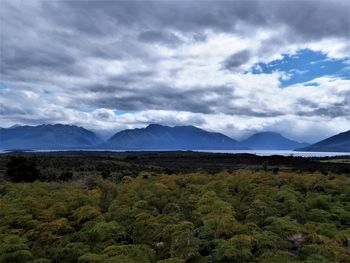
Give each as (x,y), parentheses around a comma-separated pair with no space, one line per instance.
(244,215)
(77,165)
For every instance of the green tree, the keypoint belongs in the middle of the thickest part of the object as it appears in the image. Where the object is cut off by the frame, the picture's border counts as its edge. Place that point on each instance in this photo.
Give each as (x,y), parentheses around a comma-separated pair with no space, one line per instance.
(236,249)
(129,253)
(14,249)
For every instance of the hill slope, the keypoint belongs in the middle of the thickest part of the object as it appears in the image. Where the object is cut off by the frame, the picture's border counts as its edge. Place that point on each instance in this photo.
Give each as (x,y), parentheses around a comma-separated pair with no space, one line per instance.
(336,143)
(157,136)
(49,136)
(270,141)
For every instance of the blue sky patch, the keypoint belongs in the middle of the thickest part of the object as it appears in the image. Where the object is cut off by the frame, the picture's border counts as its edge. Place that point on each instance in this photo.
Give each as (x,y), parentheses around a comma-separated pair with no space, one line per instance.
(2,86)
(304,66)
(87,110)
(120,112)
(311,84)
(116,112)
(123,112)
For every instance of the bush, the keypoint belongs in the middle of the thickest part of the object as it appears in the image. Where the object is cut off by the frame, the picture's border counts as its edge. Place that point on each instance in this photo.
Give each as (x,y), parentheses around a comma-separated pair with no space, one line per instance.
(21,169)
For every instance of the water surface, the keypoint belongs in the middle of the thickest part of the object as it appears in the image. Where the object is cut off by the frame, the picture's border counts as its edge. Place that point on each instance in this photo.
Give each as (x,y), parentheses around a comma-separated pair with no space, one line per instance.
(256,152)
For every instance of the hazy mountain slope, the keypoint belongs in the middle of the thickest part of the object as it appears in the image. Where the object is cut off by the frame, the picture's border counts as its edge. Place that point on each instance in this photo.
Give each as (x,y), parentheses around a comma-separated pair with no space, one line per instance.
(163,137)
(56,136)
(336,143)
(271,141)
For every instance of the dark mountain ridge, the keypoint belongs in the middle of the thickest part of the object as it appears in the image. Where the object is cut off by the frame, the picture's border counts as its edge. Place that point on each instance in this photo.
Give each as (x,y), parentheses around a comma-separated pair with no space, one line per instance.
(270,141)
(337,143)
(47,136)
(156,136)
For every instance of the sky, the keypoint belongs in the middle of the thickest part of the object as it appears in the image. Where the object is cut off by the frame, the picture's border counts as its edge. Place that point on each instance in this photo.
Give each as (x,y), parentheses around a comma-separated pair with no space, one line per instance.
(236,67)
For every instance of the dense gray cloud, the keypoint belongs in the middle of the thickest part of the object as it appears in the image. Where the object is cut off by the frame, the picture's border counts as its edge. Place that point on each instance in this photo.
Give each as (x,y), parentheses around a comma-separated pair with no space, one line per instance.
(311,19)
(236,60)
(341,108)
(159,36)
(53,35)
(162,97)
(157,59)
(306,19)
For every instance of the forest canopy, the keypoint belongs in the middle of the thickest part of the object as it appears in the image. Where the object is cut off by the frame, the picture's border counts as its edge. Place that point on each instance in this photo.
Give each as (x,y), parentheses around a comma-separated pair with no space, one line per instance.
(231,216)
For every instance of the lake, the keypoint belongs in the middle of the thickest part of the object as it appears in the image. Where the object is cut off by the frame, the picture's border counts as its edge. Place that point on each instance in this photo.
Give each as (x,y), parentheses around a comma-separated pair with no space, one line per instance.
(281,152)
(256,152)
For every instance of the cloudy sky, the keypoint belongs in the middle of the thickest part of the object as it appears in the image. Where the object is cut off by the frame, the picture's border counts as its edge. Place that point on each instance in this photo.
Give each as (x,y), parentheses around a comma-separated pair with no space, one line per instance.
(235,67)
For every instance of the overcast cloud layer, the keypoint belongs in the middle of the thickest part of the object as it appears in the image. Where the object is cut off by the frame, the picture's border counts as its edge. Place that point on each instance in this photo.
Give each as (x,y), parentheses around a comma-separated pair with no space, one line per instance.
(110,65)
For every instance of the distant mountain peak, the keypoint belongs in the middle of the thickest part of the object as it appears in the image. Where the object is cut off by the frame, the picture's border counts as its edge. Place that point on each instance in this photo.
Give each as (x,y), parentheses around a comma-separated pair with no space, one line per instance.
(268,140)
(188,127)
(15,126)
(336,143)
(154,125)
(156,136)
(48,136)
(267,133)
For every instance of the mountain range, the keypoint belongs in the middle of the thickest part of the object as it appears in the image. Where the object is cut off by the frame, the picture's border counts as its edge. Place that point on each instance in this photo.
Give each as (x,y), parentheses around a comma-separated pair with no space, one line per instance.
(153,137)
(47,136)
